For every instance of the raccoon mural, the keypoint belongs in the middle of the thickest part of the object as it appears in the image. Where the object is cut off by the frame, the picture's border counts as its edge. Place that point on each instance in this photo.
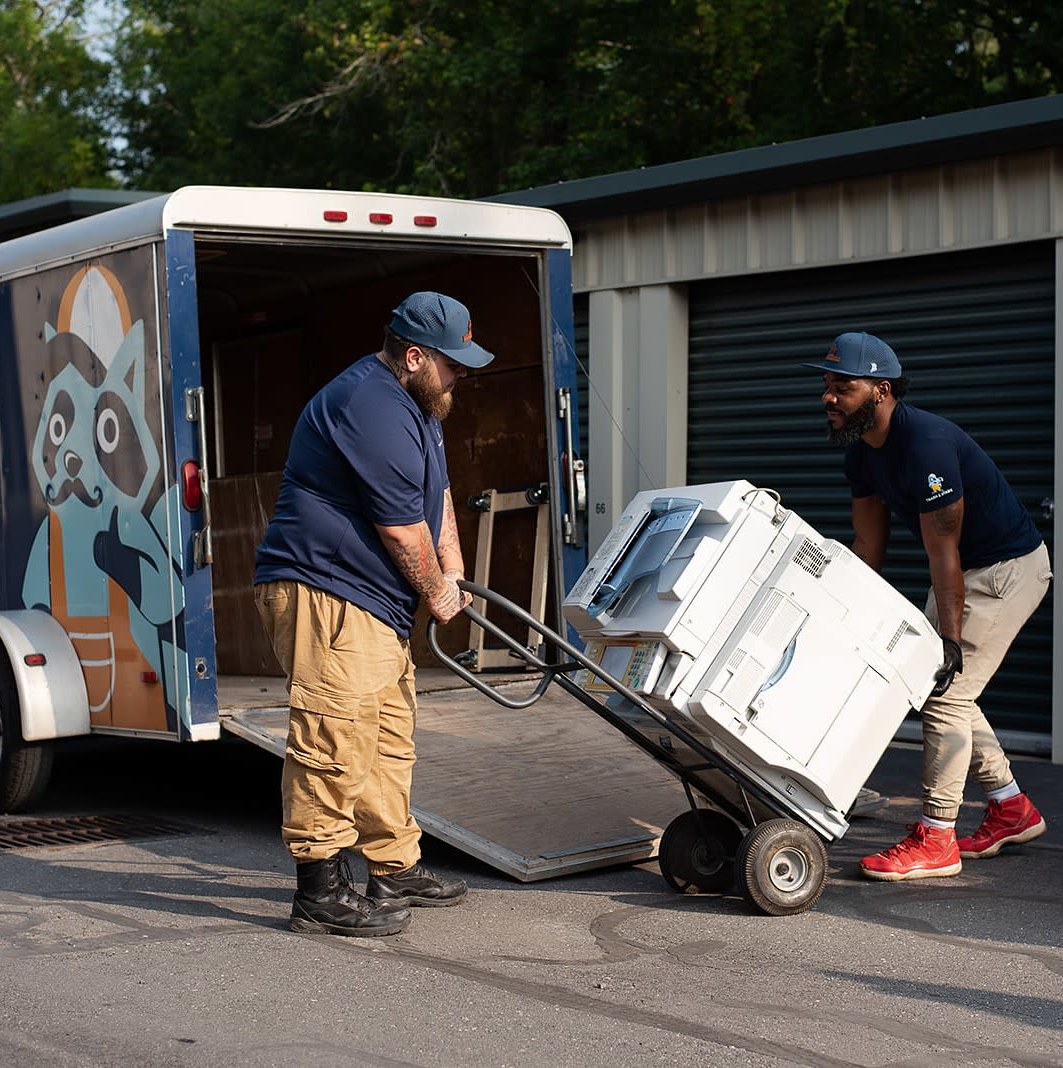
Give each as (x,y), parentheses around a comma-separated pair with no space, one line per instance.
(99,562)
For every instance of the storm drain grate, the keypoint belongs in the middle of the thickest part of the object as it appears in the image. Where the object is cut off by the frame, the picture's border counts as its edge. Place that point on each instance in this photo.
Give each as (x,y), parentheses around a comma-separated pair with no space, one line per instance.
(81,830)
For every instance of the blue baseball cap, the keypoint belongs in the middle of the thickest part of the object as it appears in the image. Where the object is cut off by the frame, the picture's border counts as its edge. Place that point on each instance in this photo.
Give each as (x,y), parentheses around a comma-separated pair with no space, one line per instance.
(860,355)
(442,323)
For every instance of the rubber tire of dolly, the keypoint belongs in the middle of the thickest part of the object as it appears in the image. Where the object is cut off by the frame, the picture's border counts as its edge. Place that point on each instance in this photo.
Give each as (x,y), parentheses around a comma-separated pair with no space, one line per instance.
(781,867)
(697,851)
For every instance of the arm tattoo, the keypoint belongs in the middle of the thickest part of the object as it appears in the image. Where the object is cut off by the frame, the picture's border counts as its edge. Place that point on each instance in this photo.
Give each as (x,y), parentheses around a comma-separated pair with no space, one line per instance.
(419,565)
(449,548)
(946,520)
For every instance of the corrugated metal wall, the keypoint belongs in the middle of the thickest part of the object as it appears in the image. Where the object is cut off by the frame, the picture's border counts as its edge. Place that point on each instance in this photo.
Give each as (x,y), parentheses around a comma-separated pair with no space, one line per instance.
(974,331)
(979,203)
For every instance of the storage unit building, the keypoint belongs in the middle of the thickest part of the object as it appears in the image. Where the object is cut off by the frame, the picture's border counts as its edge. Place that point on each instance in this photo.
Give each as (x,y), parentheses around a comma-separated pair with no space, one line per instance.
(702,285)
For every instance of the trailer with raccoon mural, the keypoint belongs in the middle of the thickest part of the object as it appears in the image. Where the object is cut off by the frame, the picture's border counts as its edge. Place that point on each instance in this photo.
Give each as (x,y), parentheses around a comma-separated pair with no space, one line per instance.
(153,361)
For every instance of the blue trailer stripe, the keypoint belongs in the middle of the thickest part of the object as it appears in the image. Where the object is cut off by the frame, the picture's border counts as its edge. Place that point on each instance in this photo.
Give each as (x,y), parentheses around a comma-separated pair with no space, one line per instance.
(187,374)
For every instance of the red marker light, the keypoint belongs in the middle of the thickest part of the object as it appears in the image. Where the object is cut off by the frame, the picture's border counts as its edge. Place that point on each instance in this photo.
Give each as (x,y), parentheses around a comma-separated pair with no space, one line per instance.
(148,676)
(34,660)
(381,218)
(424,220)
(191,489)
(335,216)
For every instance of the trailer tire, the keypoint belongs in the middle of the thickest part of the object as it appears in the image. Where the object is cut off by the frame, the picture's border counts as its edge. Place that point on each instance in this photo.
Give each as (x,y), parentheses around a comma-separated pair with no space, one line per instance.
(781,867)
(25,767)
(697,852)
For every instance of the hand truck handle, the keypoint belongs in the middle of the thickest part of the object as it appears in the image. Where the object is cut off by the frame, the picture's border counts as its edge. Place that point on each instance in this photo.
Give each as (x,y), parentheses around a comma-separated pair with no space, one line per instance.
(521,651)
(550,671)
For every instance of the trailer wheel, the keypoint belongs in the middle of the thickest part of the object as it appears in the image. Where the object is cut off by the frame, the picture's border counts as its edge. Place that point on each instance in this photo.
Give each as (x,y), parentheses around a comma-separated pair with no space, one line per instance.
(697,852)
(25,767)
(781,867)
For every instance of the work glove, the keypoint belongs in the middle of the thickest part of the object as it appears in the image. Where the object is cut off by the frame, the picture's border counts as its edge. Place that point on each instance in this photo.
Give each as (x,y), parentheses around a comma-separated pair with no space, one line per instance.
(953,666)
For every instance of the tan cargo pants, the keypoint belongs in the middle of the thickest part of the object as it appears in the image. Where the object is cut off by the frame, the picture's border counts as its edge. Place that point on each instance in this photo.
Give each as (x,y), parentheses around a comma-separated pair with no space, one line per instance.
(957,738)
(348,763)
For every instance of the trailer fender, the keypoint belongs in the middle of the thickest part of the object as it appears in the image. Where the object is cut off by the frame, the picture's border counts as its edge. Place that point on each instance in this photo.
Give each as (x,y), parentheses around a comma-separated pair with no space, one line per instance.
(51,687)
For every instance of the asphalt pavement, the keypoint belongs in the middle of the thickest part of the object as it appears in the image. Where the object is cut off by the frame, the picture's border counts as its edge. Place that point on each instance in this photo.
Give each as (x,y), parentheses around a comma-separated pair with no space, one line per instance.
(172,948)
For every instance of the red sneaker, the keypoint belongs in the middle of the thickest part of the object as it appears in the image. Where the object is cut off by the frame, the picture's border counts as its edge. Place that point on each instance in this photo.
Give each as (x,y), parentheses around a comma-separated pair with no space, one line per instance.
(927,853)
(1005,823)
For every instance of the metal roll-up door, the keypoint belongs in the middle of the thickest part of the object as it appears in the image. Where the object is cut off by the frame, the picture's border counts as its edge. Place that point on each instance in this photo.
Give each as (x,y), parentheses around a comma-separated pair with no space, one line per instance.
(581,331)
(974,332)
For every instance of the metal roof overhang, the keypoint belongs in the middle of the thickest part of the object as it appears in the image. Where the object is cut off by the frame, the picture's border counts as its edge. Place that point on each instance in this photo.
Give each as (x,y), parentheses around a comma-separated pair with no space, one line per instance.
(1023,125)
(51,209)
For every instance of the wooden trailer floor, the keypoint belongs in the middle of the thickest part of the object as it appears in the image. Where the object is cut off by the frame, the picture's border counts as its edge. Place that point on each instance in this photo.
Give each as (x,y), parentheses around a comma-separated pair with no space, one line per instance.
(535,793)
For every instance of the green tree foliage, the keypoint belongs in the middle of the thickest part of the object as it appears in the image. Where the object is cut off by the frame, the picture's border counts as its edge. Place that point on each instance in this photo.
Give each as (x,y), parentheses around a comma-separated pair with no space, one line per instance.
(52,133)
(474,97)
(200,76)
(455,98)
(881,61)
(470,97)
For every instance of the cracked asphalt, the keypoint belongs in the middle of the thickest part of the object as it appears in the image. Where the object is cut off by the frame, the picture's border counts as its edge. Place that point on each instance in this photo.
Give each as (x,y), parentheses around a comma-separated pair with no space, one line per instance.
(174,950)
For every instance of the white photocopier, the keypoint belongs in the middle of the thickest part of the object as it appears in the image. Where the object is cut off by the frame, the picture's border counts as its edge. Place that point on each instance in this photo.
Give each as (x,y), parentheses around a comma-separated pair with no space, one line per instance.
(778,649)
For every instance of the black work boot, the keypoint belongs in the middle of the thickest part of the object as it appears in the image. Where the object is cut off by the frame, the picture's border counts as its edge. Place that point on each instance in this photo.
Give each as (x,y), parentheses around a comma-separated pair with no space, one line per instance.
(326,903)
(416,886)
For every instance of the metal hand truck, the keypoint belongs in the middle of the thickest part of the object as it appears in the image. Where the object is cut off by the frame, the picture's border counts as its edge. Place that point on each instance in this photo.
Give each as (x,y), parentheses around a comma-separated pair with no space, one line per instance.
(735,834)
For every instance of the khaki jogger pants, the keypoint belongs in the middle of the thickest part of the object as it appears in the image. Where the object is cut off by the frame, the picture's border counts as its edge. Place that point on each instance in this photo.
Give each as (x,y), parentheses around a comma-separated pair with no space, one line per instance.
(348,763)
(957,738)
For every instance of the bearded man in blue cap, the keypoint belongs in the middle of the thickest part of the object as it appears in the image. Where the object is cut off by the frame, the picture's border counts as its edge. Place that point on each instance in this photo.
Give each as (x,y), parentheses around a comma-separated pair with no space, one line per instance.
(989,570)
(364,529)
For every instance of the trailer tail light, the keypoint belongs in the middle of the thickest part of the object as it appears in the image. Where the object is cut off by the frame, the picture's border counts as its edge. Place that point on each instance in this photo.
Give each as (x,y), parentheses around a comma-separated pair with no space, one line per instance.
(148,677)
(191,487)
(424,220)
(335,216)
(381,218)
(34,660)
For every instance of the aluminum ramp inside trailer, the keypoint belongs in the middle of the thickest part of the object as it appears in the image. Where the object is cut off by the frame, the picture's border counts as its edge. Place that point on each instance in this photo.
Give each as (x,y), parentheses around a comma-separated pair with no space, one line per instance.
(535,793)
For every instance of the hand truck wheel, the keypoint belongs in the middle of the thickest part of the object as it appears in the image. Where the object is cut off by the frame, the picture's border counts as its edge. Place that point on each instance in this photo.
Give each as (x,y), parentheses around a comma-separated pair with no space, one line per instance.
(781,867)
(697,852)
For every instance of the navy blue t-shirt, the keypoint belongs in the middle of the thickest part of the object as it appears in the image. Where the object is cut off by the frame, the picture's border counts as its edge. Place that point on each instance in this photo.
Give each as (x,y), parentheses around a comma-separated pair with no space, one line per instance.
(928,462)
(362,453)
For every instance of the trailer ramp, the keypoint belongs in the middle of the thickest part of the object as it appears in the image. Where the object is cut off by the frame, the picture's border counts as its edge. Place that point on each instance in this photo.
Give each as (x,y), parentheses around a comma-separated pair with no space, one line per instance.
(535,793)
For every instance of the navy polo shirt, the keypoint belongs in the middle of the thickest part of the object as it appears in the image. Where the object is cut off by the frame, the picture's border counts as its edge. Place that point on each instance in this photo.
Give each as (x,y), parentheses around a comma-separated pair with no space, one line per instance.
(362,453)
(928,462)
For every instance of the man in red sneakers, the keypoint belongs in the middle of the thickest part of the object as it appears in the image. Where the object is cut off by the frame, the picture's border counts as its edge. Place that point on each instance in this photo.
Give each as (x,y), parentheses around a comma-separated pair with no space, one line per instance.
(989,571)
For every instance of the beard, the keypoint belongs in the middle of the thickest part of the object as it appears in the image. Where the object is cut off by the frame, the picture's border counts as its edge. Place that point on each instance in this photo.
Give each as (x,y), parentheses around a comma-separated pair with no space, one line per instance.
(855,425)
(430,398)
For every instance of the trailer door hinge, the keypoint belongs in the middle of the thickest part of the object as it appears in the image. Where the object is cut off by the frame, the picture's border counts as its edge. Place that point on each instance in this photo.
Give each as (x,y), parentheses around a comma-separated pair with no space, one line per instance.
(572,472)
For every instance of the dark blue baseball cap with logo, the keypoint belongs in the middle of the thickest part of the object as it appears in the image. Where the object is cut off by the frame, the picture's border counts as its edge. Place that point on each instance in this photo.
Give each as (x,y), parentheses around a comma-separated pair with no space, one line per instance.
(859,355)
(442,323)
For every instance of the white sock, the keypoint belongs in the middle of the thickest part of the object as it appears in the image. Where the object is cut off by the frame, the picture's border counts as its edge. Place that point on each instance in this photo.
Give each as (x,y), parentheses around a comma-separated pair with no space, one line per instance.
(1005,792)
(931,821)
